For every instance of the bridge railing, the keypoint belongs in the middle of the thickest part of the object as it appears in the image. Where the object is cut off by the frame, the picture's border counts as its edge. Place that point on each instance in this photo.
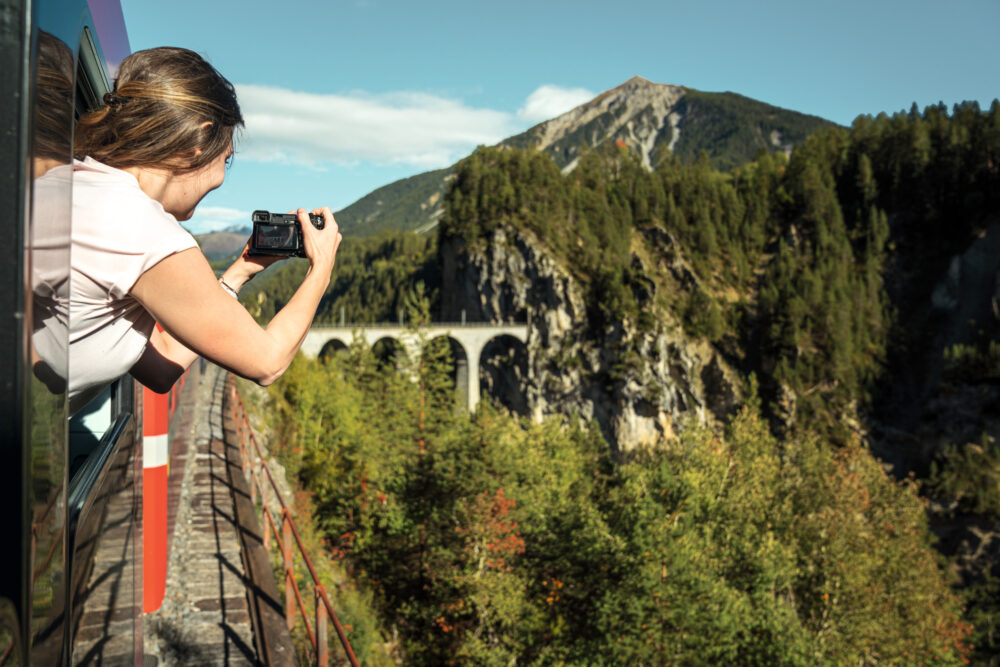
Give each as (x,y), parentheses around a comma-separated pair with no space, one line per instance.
(289,543)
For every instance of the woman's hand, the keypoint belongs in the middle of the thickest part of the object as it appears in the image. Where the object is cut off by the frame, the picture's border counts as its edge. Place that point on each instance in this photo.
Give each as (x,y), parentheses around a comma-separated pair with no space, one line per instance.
(320,244)
(247,266)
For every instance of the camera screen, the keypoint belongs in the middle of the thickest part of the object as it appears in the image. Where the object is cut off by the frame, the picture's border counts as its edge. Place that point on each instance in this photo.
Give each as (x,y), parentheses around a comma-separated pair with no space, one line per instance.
(277,236)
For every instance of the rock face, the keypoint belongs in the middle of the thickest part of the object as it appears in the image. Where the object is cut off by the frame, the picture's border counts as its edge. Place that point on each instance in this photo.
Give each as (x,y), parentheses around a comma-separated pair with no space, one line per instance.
(969,291)
(933,407)
(937,404)
(639,114)
(639,386)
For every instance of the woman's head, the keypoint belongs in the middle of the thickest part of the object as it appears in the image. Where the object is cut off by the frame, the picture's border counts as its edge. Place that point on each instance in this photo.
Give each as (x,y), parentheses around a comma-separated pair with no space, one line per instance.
(170,110)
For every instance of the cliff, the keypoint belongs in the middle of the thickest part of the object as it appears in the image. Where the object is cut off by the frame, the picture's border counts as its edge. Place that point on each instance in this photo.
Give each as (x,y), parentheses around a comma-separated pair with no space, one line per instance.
(638,385)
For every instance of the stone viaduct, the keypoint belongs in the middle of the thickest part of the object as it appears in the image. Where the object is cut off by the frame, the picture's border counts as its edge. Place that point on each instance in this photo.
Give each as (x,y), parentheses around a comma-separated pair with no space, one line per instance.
(470,338)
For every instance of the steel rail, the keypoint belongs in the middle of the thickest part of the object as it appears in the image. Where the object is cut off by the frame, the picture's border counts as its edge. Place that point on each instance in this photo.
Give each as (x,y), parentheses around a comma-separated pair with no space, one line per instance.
(241,422)
(302,608)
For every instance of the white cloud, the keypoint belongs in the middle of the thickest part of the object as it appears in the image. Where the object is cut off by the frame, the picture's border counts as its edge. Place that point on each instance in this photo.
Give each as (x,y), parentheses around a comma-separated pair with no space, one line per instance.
(422,130)
(418,129)
(547,102)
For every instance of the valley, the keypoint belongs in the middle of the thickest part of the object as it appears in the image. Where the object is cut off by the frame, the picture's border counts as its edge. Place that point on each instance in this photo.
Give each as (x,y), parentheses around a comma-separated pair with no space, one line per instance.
(778,328)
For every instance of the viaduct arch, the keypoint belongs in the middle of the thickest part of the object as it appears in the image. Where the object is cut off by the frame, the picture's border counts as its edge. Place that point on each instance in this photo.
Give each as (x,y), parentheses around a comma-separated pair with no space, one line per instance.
(471,337)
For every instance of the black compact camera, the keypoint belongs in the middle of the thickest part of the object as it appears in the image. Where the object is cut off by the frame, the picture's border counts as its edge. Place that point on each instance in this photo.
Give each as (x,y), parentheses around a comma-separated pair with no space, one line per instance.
(279,233)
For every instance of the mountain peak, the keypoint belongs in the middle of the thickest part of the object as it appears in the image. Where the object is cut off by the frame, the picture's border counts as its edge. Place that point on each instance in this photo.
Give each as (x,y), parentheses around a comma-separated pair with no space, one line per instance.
(638,112)
(636,81)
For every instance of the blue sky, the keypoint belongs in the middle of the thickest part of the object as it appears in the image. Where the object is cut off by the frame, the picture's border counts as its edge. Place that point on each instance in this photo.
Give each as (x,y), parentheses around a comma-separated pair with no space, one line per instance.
(344,96)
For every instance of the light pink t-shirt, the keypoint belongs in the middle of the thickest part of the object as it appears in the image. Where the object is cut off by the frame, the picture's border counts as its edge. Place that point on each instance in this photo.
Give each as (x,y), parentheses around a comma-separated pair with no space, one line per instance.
(118,234)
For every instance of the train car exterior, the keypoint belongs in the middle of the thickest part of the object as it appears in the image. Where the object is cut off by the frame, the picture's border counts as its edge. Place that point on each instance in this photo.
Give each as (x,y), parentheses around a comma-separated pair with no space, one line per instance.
(71,573)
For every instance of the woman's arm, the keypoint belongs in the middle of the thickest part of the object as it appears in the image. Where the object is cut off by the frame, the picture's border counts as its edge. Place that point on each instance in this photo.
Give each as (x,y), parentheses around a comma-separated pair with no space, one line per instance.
(162,362)
(165,358)
(200,318)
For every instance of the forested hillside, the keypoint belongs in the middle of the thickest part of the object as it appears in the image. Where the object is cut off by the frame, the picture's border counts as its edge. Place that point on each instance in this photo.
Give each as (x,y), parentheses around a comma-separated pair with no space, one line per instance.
(487,540)
(412,204)
(853,288)
(813,272)
(371,280)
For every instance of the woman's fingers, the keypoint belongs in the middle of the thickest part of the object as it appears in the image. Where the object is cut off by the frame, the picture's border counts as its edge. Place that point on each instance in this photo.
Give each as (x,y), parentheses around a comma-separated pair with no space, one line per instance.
(329,222)
(320,244)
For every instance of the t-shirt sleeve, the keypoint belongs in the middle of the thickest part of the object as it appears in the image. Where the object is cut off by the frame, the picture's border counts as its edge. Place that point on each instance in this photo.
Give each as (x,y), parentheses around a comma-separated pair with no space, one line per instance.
(121,238)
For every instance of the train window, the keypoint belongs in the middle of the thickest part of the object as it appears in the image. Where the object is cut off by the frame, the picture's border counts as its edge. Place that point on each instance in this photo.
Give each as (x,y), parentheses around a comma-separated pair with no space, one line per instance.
(68,591)
(91,82)
(48,257)
(88,425)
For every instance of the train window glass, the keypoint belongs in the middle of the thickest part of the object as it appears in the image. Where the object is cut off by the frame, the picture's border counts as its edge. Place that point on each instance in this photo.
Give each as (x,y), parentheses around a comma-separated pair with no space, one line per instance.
(91,81)
(48,256)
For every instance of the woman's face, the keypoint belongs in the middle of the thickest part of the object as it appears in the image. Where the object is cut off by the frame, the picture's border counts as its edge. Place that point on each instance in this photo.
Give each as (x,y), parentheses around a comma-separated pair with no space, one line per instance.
(189,188)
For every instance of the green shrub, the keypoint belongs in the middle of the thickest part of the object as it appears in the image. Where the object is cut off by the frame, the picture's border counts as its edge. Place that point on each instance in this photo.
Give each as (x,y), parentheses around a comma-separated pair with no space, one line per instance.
(488,540)
(970,475)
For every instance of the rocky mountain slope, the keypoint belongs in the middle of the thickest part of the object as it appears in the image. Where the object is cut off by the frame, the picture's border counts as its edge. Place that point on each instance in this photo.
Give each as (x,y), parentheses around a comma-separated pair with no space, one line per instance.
(651,119)
(639,114)
(564,369)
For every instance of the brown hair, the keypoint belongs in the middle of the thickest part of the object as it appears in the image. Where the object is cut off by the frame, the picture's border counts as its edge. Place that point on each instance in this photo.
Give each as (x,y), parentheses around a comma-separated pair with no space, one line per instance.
(157,114)
(54,103)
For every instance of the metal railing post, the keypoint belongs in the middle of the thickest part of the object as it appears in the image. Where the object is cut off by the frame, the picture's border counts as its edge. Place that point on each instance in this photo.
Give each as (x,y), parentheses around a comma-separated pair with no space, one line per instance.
(253,484)
(267,524)
(286,538)
(244,451)
(322,648)
(261,475)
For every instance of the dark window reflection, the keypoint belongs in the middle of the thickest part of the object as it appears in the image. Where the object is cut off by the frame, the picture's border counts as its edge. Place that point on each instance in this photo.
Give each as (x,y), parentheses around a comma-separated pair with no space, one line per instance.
(49,261)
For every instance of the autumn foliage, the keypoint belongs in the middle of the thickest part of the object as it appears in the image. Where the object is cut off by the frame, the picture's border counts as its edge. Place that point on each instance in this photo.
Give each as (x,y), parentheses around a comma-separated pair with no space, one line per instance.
(505,540)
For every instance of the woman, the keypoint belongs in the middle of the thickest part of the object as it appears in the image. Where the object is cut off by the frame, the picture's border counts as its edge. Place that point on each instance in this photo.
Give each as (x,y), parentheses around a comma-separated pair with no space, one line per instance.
(144,162)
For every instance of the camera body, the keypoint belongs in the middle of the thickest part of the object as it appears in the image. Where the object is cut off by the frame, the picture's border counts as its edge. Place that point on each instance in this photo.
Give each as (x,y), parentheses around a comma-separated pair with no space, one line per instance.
(279,234)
